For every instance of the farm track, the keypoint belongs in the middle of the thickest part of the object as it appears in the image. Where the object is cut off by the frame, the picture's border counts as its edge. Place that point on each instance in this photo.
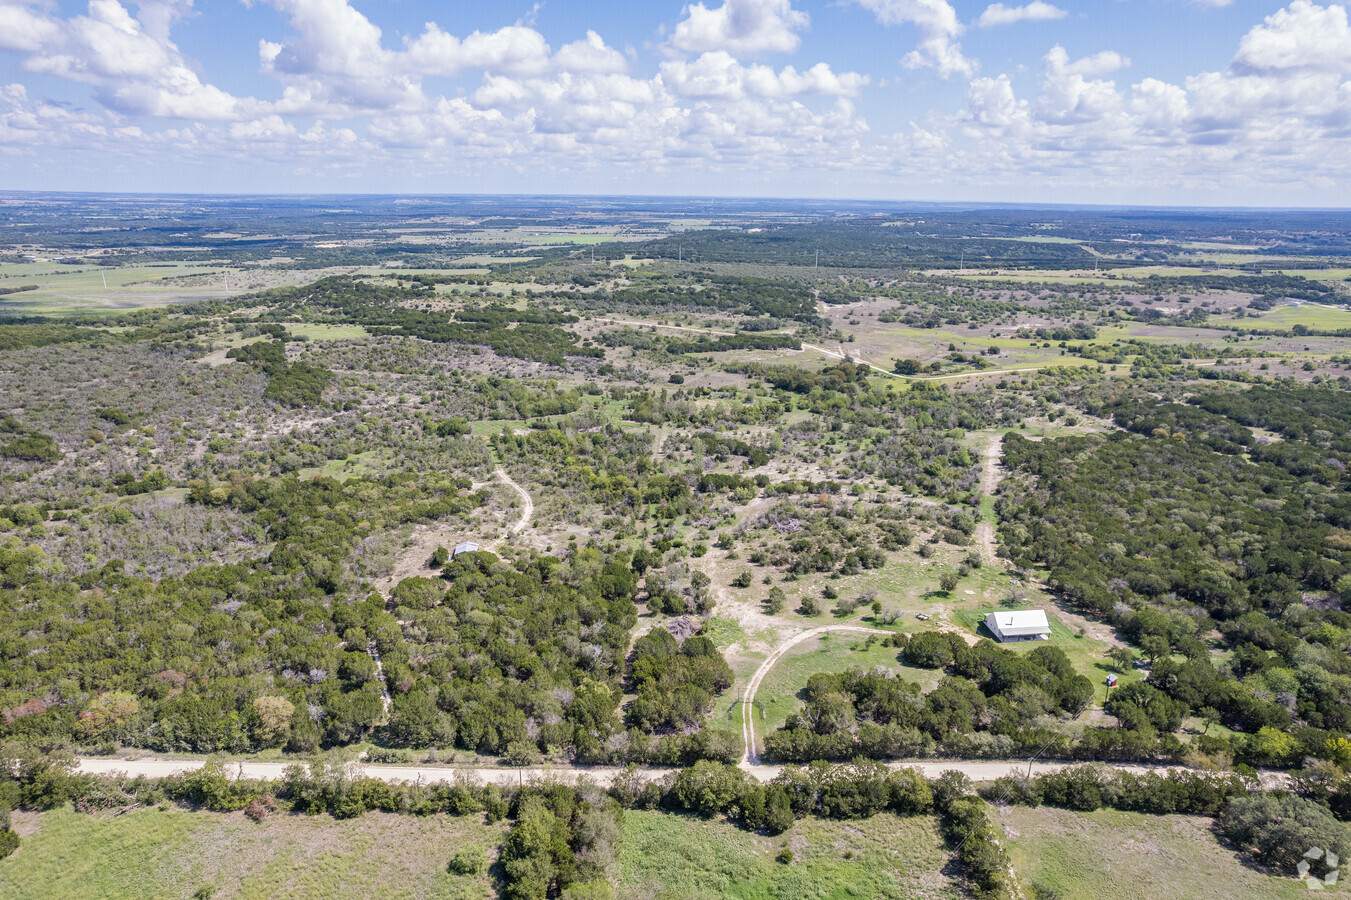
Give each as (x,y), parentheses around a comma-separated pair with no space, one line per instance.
(990,477)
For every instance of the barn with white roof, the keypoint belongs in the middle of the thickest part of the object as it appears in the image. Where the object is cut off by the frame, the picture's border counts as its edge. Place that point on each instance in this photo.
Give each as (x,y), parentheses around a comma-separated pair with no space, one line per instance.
(1019,625)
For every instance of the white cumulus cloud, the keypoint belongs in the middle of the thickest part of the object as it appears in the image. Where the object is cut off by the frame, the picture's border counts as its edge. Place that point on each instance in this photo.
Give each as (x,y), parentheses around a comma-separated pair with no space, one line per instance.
(1037,11)
(133,67)
(938,27)
(1301,36)
(749,27)
(515,50)
(719,74)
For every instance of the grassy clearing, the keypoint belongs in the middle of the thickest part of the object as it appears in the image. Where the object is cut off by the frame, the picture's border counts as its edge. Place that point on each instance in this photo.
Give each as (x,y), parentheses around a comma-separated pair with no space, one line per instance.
(317,332)
(777,697)
(1313,316)
(665,857)
(723,631)
(554,239)
(1330,274)
(174,853)
(1089,656)
(489,427)
(1110,855)
(1034,239)
(908,584)
(342,469)
(611,409)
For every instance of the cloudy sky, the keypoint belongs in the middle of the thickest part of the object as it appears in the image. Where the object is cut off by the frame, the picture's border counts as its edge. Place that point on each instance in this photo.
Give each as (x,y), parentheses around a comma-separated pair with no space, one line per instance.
(1220,102)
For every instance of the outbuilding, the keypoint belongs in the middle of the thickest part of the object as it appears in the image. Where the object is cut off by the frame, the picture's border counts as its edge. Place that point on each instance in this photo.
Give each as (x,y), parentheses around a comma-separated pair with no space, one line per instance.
(466,547)
(1019,625)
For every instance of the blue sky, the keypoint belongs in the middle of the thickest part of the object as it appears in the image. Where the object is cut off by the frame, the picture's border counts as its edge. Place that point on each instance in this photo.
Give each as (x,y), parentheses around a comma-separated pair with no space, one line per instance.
(1176,102)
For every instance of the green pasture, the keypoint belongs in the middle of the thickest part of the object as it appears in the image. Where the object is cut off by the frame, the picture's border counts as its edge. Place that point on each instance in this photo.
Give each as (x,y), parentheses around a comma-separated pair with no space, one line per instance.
(173,853)
(1111,855)
(681,857)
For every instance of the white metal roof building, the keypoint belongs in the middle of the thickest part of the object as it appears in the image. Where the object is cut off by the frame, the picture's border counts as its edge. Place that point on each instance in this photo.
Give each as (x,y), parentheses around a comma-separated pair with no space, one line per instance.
(1019,625)
(466,547)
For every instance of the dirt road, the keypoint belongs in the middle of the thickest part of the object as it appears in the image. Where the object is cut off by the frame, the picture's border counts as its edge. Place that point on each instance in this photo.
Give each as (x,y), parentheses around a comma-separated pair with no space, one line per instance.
(976,770)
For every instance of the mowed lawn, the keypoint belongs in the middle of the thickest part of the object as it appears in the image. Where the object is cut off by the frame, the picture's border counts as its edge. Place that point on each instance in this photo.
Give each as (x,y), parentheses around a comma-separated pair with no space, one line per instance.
(175,853)
(1111,855)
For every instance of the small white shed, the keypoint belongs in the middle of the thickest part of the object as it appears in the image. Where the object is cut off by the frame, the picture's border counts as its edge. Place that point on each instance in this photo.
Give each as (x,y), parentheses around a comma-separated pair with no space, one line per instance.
(466,547)
(1019,625)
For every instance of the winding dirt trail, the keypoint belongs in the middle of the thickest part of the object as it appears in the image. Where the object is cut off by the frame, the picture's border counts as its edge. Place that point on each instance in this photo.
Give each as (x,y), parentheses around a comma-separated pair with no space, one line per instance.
(750,756)
(527,506)
(385,699)
(990,476)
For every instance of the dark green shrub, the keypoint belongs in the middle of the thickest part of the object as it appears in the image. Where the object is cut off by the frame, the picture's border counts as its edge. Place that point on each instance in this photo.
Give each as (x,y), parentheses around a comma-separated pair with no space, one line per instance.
(471,860)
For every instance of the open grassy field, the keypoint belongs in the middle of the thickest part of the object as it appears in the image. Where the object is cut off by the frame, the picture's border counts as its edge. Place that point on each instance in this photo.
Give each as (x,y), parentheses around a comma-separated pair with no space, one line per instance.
(1311,315)
(1333,273)
(68,289)
(1110,855)
(173,853)
(80,288)
(354,466)
(317,332)
(669,857)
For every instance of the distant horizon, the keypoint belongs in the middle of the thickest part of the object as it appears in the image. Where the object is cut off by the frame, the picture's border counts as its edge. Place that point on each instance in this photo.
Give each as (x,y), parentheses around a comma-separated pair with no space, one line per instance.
(729,198)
